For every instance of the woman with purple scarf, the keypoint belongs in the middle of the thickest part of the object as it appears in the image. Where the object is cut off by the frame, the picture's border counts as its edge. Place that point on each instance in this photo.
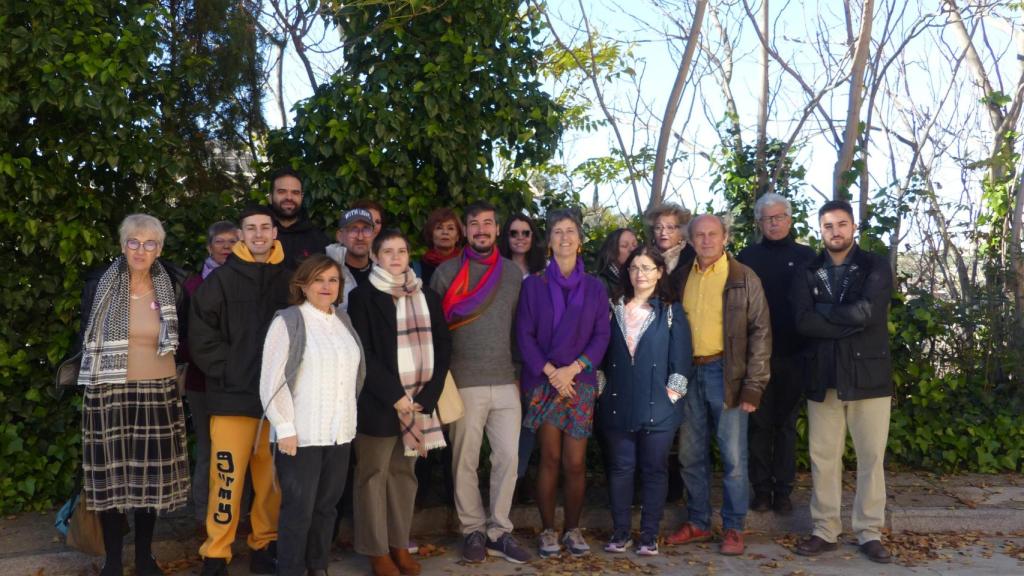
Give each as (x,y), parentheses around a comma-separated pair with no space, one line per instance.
(562,330)
(220,239)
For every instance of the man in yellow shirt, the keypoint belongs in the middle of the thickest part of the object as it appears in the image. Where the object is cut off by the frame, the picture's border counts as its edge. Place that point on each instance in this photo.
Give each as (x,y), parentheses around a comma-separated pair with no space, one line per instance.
(728,317)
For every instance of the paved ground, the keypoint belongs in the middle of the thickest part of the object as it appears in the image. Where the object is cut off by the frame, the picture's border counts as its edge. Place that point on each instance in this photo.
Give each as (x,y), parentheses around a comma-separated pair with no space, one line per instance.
(995,556)
(971,524)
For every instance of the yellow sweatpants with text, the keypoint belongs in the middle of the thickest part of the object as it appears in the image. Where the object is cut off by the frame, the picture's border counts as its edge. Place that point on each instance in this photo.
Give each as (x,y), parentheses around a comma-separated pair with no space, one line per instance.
(231,454)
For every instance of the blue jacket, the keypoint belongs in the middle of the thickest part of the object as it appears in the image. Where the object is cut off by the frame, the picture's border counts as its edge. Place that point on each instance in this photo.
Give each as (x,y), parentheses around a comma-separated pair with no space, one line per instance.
(634,397)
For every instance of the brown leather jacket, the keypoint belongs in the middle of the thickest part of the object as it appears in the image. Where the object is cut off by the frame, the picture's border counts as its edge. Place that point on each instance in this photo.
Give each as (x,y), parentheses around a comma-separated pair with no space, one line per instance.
(747,332)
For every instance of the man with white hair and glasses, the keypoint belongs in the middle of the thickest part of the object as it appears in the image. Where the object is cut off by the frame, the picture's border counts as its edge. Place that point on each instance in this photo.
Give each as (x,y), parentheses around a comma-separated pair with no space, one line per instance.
(772,431)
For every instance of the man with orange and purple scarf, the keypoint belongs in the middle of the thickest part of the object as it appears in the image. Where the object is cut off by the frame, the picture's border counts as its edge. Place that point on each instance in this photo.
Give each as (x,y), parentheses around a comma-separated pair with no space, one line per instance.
(480,291)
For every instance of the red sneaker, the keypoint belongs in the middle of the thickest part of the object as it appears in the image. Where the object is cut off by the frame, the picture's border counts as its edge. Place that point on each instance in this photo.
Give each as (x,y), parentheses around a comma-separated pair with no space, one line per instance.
(688,533)
(732,543)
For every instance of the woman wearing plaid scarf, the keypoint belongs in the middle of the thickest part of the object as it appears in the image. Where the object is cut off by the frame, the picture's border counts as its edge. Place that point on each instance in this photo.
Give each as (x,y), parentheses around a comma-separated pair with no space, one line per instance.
(133,426)
(405,338)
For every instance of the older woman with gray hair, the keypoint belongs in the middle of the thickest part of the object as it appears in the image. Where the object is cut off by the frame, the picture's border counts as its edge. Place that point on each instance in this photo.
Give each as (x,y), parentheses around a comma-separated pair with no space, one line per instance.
(221,238)
(133,425)
(562,330)
(667,225)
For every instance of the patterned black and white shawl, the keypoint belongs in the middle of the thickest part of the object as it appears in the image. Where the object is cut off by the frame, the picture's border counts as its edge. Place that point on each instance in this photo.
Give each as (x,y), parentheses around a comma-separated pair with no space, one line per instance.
(105,345)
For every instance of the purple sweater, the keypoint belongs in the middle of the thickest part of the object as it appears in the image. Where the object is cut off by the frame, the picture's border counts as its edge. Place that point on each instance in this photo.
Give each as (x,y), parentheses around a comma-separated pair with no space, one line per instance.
(588,333)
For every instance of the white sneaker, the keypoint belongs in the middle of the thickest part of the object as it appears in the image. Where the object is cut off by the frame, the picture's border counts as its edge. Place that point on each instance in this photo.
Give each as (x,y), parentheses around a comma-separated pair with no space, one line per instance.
(574,543)
(547,544)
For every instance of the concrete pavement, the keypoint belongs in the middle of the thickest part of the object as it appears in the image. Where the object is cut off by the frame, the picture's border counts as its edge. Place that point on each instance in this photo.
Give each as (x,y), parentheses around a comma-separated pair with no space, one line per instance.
(967,524)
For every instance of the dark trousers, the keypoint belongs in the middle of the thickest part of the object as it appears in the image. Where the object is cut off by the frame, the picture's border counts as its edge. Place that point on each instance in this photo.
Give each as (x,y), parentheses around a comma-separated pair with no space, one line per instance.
(772,433)
(626,453)
(201,476)
(311,485)
(527,441)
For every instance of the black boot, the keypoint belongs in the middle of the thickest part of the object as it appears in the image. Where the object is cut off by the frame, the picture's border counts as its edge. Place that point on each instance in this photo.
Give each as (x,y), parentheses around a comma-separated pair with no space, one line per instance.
(214,567)
(112,524)
(145,564)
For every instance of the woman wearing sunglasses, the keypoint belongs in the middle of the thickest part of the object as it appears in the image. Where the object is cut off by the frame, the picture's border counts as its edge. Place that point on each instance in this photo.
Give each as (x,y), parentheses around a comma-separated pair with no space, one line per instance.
(520,243)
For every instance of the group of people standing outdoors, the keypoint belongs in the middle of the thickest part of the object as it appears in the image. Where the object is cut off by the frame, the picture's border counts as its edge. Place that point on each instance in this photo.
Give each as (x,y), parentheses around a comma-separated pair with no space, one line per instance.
(304,355)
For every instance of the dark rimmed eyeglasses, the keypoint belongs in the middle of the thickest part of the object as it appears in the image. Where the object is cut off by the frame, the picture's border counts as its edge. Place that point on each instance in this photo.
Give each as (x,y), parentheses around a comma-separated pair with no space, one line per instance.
(148,245)
(519,233)
(645,270)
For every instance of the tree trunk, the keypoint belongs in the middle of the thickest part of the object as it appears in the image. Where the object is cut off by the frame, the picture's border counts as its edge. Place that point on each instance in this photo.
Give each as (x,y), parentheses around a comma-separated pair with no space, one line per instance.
(850,133)
(675,97)
(761,153)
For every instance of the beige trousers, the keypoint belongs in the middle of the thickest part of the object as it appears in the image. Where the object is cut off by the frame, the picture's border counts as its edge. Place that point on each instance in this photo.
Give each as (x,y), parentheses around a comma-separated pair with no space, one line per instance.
(385,494)
(868,421)
(496,411)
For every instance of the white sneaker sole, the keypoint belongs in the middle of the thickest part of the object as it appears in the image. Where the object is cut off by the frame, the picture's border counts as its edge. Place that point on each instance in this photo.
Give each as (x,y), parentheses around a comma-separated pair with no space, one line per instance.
(500,554)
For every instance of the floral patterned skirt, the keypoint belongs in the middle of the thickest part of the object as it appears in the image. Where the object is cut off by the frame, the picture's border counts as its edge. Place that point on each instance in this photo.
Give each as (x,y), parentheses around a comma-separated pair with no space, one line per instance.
(574,416)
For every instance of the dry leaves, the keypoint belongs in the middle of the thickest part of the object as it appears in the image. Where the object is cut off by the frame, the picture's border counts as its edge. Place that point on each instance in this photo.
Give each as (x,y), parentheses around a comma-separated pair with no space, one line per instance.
(1013,550)
(592,565)
(788,541)
(430,550)
(913,549)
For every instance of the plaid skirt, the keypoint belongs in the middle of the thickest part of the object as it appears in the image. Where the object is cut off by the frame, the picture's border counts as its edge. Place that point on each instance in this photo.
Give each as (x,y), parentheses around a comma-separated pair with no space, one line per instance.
(574,416)
(133,446)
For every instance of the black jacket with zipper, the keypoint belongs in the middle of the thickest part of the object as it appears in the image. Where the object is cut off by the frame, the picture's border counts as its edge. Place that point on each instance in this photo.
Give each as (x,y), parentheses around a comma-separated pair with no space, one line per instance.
(228,320)
(374,318)
(847,327)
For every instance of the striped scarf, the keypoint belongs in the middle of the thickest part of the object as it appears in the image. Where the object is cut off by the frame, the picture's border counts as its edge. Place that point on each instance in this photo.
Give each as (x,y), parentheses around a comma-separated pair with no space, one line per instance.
(105,345)
(420,432)
(462,304)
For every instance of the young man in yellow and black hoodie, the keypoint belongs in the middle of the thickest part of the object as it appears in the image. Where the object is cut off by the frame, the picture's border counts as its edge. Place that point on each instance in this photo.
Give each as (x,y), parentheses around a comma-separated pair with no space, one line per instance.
(229,317)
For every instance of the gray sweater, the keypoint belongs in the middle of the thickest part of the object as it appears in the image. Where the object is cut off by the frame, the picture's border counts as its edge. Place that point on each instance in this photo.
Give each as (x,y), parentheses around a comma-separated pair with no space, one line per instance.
(483,351)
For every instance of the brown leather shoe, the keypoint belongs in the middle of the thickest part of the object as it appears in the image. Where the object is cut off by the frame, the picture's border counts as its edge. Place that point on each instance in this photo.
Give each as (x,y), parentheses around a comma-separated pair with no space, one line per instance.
(876,551)
(688,533)
(815,545)
(405,562)
(383,566)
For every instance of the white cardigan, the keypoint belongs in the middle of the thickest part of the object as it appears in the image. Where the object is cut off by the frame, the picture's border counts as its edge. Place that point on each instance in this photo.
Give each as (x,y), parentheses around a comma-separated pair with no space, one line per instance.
(322,408)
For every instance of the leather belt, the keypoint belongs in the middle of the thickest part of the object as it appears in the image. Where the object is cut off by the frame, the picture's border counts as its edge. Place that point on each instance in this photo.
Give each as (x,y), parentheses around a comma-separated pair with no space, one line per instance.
(702,360)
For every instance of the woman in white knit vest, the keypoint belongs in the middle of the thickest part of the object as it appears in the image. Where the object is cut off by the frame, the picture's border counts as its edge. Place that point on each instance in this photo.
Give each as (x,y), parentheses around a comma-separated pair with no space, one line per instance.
(311,376)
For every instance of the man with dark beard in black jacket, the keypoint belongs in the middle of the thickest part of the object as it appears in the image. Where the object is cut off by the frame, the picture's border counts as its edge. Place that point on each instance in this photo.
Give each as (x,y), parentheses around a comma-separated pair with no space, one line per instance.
(230,313)
(841,304)
(771,443)
(296,232)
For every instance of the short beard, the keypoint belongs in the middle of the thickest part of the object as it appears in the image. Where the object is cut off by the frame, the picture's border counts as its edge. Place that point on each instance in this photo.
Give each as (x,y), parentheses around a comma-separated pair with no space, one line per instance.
(281,214)
(836,251)
(484,251)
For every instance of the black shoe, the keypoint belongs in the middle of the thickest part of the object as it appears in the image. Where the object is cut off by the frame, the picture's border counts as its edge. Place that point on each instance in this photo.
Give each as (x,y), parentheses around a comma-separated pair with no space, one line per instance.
(214,567)
(112,570)
(876,552)
(147,567)
(317,572)
(815,545)
(761,502)
(262,561)
(781,504)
